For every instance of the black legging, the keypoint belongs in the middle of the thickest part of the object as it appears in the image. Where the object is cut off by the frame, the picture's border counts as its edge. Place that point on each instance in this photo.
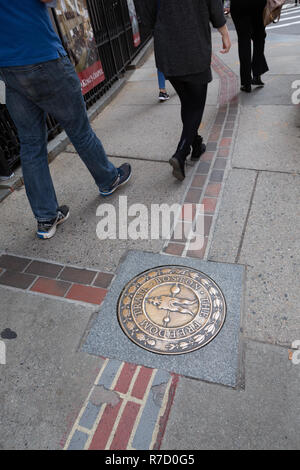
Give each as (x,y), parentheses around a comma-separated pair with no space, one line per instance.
(248,20)
(192,95)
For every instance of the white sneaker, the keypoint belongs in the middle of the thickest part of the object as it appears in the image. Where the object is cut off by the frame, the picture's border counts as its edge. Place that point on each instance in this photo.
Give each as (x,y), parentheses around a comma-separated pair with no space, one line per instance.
(6,178)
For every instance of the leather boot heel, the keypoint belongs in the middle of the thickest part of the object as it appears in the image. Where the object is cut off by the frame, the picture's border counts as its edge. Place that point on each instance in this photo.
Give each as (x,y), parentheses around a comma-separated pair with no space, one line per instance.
(198,148)
(177,161)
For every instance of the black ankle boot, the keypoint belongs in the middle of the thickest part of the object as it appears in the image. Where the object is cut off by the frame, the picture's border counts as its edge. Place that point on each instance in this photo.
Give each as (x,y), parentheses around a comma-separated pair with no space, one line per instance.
(198,148)
(246,88)
(257,81)
(178,163)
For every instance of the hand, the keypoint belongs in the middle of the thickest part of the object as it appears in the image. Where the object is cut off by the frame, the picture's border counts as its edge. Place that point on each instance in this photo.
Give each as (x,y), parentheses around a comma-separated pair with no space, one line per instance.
(226,44)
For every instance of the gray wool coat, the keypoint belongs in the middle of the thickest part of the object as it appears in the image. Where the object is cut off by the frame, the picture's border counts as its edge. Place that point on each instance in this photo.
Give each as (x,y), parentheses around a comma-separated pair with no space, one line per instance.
(182,34)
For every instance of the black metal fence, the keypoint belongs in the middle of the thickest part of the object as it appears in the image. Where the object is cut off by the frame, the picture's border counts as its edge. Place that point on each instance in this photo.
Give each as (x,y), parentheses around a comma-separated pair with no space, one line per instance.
(114,39)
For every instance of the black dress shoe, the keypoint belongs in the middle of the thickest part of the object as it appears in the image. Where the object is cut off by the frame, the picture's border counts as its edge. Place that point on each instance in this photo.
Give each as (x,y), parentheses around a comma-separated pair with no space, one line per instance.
(246,88)
(198,148)
(257,81)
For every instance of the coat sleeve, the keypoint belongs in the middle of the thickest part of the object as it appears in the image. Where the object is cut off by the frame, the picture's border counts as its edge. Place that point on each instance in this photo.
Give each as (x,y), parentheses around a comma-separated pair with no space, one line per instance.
(147,11)
(216,13)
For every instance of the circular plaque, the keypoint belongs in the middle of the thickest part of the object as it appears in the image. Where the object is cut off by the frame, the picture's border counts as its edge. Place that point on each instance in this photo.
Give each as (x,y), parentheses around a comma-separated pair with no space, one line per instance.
(171,310)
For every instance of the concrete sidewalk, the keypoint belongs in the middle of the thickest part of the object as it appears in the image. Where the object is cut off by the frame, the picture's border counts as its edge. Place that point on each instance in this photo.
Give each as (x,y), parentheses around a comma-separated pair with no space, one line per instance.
(54,394)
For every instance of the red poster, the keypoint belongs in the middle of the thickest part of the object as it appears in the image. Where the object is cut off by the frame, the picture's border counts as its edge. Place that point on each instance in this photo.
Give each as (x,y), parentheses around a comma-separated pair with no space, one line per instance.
(78,39)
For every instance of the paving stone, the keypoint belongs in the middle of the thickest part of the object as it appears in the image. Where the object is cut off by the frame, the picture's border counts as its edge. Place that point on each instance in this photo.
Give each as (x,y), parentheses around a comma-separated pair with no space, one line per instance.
(93,295)
(209,204)
(14,263)
(188,212)
(125,426)
(144,432)
(174,249)
(141,383)
(217,176)
(109,373)
(78,441)
(46,380)
(223,152)
(271,132)
(213,189)
(89,416)
(198,181)
(82,276)
(50,286)
(193,196)
(15,279)
(203,168)
(200,253)
(42,268)
(103,280)
(232,215)
(220,164)
(218,361)
(105,427)
(125,378)
(264,416)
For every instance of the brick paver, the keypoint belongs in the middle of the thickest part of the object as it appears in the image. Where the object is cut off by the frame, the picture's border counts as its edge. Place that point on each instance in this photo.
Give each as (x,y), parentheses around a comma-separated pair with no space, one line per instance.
(13,263)
(93,295)
(15,279)
(44,277)
(50,287)
(42,268)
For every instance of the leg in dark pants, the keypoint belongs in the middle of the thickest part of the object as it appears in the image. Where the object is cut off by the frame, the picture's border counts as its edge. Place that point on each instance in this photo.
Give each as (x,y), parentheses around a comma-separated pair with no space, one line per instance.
(242,25)
(192,94)
(259,63)
(193,98)
(249,26)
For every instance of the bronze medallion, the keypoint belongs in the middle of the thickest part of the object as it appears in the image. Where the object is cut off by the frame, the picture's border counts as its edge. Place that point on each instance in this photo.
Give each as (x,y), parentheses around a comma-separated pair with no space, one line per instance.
(171,310)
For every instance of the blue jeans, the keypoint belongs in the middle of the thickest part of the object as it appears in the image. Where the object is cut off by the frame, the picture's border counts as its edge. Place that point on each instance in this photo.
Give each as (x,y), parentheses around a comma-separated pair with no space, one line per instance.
(53,87)
(161,80)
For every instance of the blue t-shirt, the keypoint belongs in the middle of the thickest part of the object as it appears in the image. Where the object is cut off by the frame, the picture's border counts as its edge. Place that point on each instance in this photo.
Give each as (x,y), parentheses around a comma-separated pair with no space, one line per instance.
(26,33)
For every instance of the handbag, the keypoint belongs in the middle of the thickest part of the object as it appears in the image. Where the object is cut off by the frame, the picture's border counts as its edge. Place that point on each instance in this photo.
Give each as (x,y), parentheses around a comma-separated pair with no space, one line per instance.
(272,11)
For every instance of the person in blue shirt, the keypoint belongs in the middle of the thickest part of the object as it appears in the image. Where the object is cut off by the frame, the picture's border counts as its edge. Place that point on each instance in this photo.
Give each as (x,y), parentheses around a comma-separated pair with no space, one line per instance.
(41,80)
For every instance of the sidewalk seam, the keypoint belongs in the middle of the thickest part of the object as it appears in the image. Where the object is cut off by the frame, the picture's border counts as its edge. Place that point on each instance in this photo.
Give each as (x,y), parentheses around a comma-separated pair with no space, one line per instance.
(246,220)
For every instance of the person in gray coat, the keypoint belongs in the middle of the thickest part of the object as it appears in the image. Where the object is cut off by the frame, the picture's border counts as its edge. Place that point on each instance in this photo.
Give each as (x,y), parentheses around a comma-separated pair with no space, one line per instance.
(183,48)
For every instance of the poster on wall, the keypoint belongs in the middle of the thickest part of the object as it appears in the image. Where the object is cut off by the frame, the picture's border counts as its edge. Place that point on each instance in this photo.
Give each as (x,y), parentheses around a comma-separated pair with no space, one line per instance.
(78,39)
(134,23)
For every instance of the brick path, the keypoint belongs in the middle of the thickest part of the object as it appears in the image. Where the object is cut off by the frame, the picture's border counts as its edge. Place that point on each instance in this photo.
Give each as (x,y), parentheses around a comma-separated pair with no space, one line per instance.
(128,405)
(48,278)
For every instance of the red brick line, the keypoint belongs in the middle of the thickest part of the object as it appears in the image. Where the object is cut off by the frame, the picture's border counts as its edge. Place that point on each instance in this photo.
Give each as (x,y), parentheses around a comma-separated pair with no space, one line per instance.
(126,376)
(130,412)
(53,279)
(207,180)
(105,427)
(164,419)
(125,426)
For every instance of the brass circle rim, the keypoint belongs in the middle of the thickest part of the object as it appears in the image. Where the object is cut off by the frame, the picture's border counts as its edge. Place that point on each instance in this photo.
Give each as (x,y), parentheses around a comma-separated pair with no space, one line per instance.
(173,353)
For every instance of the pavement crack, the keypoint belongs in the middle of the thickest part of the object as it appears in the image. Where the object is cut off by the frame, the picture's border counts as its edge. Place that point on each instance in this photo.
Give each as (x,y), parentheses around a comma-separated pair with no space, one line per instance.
(246,220)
